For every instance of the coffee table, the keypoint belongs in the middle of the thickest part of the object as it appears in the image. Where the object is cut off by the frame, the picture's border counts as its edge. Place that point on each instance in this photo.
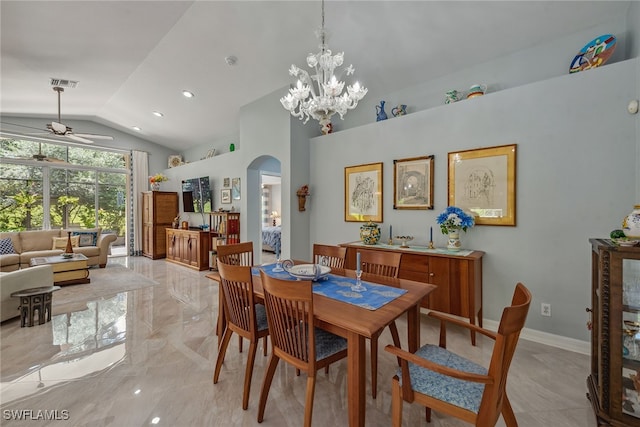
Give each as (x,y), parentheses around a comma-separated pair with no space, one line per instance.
(66,271)
(32,300)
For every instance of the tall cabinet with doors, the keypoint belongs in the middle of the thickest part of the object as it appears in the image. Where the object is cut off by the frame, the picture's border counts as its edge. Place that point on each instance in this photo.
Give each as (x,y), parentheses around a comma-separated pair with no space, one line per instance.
(614,382)
(159,208)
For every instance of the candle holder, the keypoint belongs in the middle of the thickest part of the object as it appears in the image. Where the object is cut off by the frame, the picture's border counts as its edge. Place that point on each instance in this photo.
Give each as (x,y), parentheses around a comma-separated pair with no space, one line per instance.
(404,240)
(358,287)
(431,246)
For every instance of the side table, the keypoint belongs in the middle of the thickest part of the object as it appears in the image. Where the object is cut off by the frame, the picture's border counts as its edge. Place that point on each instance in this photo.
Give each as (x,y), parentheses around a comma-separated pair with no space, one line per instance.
(32,300)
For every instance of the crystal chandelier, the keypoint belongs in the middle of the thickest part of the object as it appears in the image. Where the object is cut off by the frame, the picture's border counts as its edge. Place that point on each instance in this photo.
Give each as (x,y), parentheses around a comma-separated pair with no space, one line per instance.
(325,98)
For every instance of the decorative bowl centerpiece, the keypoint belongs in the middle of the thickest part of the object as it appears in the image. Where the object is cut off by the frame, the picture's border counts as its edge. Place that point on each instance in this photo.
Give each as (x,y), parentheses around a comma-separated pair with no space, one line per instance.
(313,272)
(369,233)
(404,240)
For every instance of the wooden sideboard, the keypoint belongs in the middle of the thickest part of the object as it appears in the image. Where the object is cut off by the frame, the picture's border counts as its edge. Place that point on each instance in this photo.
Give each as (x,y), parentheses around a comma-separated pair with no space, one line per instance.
(188,247)
(458,277)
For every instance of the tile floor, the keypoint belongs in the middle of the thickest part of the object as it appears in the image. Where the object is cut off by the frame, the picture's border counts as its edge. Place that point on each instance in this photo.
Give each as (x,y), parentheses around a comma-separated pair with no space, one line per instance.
(146,357)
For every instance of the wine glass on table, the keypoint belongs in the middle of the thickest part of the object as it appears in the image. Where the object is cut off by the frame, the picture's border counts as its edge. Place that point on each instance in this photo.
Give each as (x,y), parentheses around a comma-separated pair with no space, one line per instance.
(278,268)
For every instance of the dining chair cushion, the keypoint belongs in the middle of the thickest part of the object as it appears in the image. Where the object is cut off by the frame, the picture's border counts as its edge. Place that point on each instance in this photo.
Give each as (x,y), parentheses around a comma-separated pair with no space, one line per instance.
(261,317)
(328,344)
(464,394)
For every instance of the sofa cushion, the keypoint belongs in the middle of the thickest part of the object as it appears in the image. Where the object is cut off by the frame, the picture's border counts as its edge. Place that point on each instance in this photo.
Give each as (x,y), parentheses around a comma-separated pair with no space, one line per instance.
(61,242)
(6,246)
(88,251)
(87,238)
(9,259)
(37,240)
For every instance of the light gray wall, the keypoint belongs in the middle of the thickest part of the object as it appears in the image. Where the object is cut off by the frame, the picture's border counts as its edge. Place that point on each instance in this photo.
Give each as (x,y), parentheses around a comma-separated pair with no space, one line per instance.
(576,179)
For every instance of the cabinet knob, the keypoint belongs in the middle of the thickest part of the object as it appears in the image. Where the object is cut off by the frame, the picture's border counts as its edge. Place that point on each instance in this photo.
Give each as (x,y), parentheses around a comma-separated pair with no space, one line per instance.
(431,274)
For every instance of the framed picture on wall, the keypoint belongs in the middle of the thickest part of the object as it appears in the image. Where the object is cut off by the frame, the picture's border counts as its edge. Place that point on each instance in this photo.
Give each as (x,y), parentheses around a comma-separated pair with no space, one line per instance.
(226,182)
(413,183)
(225,196)
(363,193)
(483,181)
(235,188)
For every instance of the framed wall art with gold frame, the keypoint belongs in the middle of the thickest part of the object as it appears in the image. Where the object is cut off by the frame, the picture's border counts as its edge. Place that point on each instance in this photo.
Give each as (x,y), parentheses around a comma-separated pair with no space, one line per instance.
(483,181)
(363,193)
(413,183)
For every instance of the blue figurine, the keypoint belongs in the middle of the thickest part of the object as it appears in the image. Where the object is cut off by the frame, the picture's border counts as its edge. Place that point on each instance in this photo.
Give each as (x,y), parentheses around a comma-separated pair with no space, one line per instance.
(380,114)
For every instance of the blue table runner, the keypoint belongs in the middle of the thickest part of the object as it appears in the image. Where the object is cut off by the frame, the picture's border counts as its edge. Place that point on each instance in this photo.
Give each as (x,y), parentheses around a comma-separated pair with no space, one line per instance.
(339,288)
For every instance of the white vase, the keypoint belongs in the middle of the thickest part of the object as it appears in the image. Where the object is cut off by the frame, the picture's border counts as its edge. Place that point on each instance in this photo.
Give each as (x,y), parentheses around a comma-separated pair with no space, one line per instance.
(453,244)
(631,223)
(155,186)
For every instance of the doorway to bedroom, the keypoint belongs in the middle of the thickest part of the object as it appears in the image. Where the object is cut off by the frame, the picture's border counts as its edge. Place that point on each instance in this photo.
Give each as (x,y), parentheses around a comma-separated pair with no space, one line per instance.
(271,212)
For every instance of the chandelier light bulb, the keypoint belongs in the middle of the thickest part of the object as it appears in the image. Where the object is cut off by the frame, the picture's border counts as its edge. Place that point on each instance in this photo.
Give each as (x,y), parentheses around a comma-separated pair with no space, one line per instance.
(320,95)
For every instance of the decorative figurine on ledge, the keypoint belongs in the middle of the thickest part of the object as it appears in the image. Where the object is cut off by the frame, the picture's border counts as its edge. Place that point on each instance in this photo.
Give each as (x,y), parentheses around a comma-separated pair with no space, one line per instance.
(380,114)
(302,193)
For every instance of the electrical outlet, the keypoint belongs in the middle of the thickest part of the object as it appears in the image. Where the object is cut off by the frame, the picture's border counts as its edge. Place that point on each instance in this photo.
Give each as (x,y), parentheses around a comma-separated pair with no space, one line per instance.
(545,309)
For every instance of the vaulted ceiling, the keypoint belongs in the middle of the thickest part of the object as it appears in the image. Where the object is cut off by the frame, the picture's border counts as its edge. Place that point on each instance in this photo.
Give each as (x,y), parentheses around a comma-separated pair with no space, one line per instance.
(133,57)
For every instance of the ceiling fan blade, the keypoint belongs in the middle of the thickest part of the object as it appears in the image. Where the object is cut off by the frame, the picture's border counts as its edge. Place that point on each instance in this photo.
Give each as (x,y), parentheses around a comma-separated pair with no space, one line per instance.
(78,138)
(93,136)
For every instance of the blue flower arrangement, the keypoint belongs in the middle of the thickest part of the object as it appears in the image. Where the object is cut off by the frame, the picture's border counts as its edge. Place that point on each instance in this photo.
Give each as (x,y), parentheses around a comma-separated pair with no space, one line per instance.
(454,218)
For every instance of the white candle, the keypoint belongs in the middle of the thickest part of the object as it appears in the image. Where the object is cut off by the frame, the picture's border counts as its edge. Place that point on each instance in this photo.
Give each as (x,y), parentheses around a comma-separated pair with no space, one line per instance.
(358,262)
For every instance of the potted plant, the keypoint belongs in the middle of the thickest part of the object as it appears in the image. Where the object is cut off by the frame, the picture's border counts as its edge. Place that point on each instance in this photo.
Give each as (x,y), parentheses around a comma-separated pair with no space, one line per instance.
(451,221)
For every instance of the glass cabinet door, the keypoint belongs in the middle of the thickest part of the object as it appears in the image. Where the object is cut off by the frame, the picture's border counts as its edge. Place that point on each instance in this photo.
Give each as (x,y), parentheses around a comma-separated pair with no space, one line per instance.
(631,337)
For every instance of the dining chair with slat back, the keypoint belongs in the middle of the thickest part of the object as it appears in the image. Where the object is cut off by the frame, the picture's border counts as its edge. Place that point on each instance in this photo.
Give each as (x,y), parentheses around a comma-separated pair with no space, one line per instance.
(244,317)
(235,254)
(331,256)
(446,382)
(382,264)
(294,338)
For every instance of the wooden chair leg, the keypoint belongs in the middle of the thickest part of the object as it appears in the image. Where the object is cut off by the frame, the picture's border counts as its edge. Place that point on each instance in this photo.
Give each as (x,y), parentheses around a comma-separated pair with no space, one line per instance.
(396,403)
(308,404)
(507,413)
(248,374)
(264,346)
(266,385)
(224,343)
(240,343)
(395,336)
(427,414)
(374,366)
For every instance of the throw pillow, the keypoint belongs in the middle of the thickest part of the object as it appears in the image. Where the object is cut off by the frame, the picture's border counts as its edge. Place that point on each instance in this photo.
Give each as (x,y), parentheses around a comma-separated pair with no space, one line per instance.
(6,246)
(87,238)
(61,242)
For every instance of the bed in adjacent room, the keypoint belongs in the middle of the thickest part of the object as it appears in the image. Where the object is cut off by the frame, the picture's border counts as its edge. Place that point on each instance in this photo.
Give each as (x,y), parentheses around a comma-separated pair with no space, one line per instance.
(271,239)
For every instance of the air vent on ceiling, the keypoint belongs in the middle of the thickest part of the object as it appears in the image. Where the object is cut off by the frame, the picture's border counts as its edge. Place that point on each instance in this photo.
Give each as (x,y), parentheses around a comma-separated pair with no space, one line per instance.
(63,83)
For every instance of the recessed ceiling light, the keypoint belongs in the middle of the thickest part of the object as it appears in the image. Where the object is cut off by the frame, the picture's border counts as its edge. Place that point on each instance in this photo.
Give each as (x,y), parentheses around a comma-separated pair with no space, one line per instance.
(158,114)
(187,94)
(138,128)
(231,60)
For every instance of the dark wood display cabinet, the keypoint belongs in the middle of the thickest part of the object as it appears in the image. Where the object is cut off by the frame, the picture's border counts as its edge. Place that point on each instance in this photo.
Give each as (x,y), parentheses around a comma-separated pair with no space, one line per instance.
(613,387)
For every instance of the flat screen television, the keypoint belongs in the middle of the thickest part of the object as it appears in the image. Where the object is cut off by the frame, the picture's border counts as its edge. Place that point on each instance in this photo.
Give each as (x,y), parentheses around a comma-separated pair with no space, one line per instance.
(196,195)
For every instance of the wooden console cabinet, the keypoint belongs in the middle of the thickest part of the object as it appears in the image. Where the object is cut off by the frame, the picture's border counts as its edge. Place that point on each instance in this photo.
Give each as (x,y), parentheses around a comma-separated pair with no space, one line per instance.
(459,278)
(614,383)
(159,208)
(188,247)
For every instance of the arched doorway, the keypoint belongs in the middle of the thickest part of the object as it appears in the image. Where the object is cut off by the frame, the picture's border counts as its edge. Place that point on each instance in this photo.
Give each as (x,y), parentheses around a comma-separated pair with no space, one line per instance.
(264,198)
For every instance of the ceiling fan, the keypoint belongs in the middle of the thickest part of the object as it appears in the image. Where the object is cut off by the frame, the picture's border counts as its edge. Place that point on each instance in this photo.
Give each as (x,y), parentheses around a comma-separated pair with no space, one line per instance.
(61,130)
(39,156)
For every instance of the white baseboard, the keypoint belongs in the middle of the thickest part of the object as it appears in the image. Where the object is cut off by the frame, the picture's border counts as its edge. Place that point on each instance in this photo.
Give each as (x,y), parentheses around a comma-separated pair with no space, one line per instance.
(570,344)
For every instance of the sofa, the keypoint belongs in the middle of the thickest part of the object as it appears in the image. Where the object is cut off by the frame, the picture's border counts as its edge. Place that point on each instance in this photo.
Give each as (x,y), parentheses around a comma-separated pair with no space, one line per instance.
(17,252)
(34,277)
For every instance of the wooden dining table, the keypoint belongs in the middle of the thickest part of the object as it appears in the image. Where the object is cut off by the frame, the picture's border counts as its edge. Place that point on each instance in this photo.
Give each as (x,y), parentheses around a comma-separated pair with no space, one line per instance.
(356,324)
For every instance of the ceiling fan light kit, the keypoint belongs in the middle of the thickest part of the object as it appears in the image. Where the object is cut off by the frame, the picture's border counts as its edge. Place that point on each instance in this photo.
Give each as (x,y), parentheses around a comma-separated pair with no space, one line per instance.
(61,130)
